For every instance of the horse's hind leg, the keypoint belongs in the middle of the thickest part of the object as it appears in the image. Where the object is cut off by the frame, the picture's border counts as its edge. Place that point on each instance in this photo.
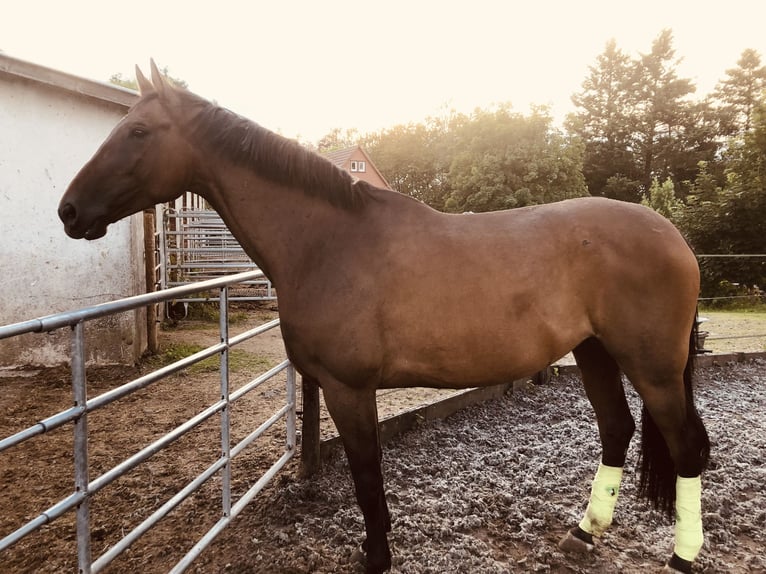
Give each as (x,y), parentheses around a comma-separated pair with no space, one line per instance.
(354,412)
(603,386)
(674,452)
(658,359)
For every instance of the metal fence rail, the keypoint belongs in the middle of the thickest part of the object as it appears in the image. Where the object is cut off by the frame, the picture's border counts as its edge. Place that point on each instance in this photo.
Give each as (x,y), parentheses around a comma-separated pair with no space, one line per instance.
(85,487)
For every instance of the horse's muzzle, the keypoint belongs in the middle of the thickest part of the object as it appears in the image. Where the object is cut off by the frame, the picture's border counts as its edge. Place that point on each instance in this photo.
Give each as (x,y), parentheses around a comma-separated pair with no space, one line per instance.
(73,225)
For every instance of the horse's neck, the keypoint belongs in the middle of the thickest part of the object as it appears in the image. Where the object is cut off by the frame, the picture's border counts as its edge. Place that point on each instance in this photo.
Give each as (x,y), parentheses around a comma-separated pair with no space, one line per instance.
(278,227)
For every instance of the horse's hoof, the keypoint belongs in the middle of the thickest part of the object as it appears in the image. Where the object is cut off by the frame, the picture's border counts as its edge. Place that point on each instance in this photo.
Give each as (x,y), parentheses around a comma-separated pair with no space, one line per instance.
(571,543)
(359,556)
(360,562)
(678,565)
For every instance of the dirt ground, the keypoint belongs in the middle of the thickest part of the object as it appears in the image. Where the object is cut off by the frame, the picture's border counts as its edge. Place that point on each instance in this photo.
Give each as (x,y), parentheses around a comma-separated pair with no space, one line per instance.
(491,489)
(734,331)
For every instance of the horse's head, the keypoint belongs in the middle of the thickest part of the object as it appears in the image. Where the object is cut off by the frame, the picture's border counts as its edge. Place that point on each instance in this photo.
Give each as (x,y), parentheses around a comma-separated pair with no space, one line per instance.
(144,161)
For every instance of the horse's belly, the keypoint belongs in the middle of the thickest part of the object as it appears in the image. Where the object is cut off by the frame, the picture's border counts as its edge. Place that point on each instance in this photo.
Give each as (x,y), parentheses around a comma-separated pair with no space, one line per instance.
(474,363)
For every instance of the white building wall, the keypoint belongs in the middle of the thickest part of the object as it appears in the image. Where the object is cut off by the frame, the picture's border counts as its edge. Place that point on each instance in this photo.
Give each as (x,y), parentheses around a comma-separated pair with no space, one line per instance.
(46,135)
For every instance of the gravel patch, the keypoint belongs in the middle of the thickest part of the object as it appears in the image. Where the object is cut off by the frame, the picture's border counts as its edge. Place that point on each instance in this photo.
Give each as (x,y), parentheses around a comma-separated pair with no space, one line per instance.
(493,488)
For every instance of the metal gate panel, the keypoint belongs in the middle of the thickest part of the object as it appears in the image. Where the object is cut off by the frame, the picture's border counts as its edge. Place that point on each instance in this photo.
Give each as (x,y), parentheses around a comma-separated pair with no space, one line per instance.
(196,245)
(85,487)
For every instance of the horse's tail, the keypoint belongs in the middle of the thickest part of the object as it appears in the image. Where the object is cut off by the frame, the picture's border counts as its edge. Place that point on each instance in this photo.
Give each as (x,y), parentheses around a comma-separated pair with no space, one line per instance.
(658,472)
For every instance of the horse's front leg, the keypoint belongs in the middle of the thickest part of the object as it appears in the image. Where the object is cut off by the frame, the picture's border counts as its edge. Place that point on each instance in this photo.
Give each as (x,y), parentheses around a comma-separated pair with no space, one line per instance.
(603,385)
(355,414)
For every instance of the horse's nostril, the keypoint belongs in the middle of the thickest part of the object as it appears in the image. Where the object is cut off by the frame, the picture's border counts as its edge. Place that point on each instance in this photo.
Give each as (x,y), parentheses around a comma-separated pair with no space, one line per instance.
(67,213)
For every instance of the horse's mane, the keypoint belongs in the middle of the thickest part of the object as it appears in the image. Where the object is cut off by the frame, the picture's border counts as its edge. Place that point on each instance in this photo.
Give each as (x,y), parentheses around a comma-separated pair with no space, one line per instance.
(272,156)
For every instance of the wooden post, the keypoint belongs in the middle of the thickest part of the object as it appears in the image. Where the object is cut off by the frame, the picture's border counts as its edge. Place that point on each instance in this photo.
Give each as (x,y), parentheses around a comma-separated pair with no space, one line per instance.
(543,377)
(150,263)
(310,456)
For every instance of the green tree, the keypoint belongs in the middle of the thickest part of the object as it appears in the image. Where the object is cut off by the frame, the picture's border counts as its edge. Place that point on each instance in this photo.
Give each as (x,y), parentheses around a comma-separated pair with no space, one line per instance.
(740,93)
(503,160)
(491,159)
(338,139)
(637,122)
(732,219)
(706,188)
(412,157)
(120,80)
(662,199)
(605,123)
(664,113)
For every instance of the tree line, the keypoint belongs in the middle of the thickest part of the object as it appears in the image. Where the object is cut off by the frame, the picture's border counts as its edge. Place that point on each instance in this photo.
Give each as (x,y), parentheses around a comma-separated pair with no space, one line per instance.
(638,134)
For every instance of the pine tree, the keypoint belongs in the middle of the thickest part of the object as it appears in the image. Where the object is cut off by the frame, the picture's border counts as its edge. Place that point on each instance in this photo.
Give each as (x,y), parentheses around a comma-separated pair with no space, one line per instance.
(605,124)
(664,113)
(740,93)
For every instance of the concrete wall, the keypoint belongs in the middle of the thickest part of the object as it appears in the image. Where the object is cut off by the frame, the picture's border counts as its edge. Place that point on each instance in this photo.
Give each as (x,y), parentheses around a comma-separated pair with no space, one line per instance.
(50,125)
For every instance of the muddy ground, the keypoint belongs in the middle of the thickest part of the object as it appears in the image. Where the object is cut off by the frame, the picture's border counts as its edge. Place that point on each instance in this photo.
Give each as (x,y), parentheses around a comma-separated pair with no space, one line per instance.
(491,489)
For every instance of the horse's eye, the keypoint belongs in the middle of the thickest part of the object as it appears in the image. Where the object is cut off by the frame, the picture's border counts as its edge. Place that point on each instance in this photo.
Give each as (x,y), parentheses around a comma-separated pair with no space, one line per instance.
(138,132)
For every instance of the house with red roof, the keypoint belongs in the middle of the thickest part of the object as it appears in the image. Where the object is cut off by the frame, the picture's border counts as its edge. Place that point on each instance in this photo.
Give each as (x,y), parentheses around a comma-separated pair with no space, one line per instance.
(356,161)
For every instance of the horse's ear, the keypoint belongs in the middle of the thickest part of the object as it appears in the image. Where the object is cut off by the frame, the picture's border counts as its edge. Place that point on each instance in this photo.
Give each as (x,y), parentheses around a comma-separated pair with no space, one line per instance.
(144,85)
(160,84)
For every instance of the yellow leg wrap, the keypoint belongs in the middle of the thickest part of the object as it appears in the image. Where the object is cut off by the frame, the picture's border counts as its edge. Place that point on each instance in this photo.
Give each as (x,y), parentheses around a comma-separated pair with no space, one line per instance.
(688,517)
(603,498)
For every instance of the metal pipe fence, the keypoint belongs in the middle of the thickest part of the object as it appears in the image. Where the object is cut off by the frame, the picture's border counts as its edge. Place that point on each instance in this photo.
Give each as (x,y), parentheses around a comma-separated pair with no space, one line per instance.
(755,296)
(85,486)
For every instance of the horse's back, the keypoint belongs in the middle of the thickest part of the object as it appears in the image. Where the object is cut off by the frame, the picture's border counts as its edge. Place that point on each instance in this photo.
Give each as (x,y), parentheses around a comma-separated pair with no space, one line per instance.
(575,244)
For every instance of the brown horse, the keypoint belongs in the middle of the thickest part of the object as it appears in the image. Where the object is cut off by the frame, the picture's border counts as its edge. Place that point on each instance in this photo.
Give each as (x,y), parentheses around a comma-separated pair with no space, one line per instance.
(369,299)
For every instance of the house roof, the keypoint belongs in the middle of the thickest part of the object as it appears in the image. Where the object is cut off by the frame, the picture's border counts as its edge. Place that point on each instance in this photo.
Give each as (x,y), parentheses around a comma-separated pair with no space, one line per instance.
(340,158)
(103,91)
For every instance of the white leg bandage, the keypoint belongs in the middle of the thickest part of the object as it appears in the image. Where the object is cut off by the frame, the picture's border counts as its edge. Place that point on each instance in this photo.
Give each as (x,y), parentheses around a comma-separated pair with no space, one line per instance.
(688,517)
(603,498)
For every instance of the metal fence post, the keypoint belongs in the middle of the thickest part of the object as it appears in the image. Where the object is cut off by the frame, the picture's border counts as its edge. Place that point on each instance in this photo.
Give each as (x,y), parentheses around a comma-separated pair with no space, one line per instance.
(150,267)
(81,480)
(290,415)
(226,411)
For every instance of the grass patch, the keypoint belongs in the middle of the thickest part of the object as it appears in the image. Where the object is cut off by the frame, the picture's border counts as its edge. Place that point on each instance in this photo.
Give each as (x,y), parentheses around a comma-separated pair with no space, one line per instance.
(205,312)
(200,316)
(759,309)
(238,359)
(211,313)
(749,304)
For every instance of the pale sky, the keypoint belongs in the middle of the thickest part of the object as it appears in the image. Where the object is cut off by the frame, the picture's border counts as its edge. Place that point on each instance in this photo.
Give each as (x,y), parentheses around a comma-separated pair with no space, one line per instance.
(305,67)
